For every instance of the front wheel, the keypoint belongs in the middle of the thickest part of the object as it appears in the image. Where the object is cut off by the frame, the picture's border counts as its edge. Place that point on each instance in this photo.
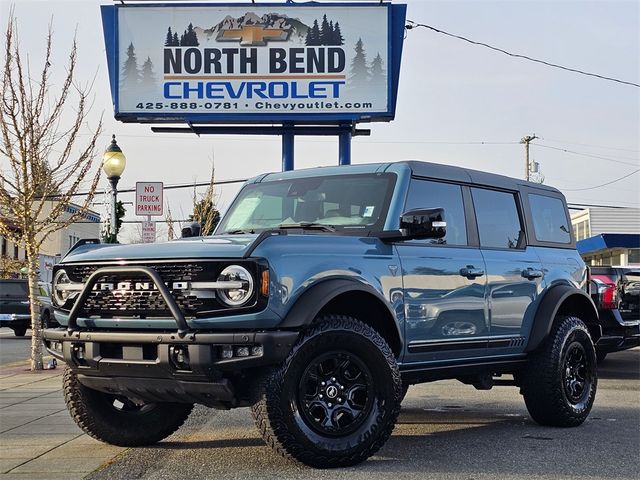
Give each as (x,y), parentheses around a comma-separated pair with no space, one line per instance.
(335,400)
(117,420)
(559,384)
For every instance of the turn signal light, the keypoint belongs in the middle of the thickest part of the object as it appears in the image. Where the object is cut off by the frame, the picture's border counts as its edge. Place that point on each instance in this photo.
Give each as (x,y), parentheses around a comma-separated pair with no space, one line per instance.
(264,283)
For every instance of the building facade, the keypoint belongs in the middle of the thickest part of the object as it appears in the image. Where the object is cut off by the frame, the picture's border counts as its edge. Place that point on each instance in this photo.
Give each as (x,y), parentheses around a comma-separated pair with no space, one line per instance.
(59,242)
(608,236)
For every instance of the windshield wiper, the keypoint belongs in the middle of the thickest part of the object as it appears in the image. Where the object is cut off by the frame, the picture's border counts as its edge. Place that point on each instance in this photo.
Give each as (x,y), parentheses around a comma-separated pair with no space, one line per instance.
(308,226)
(237,232)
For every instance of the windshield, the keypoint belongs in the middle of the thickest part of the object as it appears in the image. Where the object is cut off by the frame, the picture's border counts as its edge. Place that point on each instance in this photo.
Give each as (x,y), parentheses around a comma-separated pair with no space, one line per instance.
(13,289)
(346,202)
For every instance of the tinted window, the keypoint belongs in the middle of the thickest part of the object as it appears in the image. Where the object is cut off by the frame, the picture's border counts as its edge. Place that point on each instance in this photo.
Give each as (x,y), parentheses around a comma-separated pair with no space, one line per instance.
(549,219)
(425,194)
(498,219)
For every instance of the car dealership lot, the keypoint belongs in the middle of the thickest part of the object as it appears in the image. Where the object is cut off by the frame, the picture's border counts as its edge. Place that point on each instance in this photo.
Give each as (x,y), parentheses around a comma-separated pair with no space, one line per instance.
(446,430)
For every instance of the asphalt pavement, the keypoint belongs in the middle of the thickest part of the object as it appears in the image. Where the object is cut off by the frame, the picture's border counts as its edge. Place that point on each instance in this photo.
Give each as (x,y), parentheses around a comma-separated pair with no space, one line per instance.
(446,430)
(14,349)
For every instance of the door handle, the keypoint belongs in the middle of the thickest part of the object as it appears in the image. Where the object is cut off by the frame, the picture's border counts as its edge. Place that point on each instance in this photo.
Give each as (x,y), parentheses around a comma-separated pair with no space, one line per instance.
(471,272)
(531,273)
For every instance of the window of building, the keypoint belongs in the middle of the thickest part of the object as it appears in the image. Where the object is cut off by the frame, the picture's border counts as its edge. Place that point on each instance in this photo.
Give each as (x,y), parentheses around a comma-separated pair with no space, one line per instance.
(634,256)
(427,194)
(550,223)
(499,223)
(3,246)
(16,251)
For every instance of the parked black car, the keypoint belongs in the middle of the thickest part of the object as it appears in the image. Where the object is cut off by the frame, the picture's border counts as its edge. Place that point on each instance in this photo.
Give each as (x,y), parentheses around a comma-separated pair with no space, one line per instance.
(14,306)
(616,293)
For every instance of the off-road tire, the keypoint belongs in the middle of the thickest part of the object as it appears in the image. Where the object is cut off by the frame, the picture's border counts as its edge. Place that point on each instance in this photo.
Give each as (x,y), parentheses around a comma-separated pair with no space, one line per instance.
(20,331)
(544,379)
(95,413)
(279,411)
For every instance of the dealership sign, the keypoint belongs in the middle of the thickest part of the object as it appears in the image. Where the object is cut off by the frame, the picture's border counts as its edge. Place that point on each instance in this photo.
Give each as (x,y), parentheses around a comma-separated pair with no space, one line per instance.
(226,63)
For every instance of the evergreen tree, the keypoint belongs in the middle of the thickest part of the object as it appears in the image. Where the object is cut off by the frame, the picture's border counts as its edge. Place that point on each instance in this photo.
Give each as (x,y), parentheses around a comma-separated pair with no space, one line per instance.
(189,38)
(148,79)
(378,75)
(325,32)
(176,41)
(169,39)
(313,35)
(338,39)
(130,73)
(359,70)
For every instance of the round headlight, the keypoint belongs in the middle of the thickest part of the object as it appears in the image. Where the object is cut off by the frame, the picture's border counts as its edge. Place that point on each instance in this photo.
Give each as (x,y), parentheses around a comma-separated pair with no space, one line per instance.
(60,288)
(240,293)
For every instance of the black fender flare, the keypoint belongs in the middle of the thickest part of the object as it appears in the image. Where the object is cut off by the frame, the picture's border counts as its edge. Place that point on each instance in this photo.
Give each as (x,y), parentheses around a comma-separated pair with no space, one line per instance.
(311,302)
(551,304)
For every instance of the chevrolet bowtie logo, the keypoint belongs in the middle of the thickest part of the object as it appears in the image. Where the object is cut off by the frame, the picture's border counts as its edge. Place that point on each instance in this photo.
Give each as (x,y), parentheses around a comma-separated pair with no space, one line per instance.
(253,35)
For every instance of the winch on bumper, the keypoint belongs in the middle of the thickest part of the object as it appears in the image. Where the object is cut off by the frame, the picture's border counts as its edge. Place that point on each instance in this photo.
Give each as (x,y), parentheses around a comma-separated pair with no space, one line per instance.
(185,366)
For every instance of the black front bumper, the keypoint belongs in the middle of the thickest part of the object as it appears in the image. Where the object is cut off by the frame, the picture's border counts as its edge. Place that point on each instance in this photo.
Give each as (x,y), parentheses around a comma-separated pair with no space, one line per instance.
(200,367)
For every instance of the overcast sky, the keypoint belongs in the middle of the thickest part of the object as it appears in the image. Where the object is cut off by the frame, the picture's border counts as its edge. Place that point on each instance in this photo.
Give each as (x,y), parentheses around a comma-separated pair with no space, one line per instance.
(452,96)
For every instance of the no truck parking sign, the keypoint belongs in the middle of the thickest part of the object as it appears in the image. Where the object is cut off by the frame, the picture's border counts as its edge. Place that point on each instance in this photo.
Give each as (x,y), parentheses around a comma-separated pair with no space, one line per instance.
(149,198)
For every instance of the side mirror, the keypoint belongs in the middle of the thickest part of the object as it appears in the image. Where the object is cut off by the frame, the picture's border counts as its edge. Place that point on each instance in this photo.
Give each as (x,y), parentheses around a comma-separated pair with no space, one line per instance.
(192,230)
(423,223)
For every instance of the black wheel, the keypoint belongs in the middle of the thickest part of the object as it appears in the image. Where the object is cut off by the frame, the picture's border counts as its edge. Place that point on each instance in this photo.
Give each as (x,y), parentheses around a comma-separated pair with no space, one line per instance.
(559,384)
(335,399)
(600,356)
(20,331)
(46,319)
(117,420)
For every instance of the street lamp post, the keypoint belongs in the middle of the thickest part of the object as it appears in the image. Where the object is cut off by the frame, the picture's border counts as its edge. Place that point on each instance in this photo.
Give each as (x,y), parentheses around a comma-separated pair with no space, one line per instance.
(113,163)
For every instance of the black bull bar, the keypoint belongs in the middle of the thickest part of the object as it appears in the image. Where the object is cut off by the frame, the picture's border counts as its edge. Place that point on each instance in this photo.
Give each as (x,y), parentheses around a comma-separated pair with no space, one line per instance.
(183,327)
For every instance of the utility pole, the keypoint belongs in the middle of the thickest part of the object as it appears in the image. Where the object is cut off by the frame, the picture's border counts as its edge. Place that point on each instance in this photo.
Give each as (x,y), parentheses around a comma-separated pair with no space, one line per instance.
(526,140)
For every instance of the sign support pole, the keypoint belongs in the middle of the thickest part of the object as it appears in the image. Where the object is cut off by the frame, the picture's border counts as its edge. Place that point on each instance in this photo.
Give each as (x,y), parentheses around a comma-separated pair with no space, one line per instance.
(288,149)
(344,148)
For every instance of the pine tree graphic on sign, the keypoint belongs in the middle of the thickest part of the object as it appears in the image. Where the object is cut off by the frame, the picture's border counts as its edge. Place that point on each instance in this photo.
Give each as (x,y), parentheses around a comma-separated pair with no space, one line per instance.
(130,77)
(359,74)
(378,75)
(148,78)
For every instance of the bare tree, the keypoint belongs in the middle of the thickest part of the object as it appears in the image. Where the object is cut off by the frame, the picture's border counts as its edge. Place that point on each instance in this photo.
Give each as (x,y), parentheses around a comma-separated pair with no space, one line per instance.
(42,165)
(204,207)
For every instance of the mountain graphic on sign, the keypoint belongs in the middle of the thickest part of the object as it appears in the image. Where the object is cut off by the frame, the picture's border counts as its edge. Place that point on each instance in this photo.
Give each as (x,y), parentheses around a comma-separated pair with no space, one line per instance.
(276,25)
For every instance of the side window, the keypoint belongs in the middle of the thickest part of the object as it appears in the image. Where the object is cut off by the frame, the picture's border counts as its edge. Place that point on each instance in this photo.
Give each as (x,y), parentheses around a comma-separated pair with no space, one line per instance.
(549,219)
(427,194)
(498,220)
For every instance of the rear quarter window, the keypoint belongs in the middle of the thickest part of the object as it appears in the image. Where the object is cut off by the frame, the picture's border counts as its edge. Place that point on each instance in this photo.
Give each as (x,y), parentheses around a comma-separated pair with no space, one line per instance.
(550,222)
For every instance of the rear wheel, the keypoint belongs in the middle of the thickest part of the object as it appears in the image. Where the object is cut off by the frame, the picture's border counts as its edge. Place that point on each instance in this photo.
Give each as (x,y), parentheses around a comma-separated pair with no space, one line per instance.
(117,420)
(20,331)
(335,400)
(559,384)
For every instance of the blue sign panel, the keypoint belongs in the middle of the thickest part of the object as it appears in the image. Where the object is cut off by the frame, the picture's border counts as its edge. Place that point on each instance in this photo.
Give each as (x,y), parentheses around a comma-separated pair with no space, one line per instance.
(258,63)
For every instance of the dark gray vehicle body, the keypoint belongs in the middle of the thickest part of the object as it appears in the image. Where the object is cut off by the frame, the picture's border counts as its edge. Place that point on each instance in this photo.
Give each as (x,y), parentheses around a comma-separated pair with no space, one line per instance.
(461,309)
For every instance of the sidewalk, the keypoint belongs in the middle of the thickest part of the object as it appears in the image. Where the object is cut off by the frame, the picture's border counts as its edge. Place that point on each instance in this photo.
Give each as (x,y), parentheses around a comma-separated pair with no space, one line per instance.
(38,438)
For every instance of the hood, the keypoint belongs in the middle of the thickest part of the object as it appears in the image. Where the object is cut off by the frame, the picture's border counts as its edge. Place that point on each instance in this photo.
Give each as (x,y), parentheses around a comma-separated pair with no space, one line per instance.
(220,246)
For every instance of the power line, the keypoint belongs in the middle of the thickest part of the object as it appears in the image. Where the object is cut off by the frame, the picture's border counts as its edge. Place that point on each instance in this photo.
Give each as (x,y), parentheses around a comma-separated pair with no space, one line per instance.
(603,147)
(413,24)
(584,154)
(602,184)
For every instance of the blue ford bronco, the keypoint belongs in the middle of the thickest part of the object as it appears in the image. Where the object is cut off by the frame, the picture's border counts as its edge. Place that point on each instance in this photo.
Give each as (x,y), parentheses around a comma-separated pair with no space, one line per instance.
(322,296)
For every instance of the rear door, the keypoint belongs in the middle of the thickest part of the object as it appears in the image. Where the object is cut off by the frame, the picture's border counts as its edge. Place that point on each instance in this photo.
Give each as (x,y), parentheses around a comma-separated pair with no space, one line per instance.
(444,280)
(515,276)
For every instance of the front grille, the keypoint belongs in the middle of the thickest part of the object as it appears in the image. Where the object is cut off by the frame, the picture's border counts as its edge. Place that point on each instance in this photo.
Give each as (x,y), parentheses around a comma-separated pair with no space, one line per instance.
(140,299)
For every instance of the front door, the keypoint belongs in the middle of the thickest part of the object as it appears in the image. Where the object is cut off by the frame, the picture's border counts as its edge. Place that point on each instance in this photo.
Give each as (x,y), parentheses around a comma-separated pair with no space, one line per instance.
(444,282)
